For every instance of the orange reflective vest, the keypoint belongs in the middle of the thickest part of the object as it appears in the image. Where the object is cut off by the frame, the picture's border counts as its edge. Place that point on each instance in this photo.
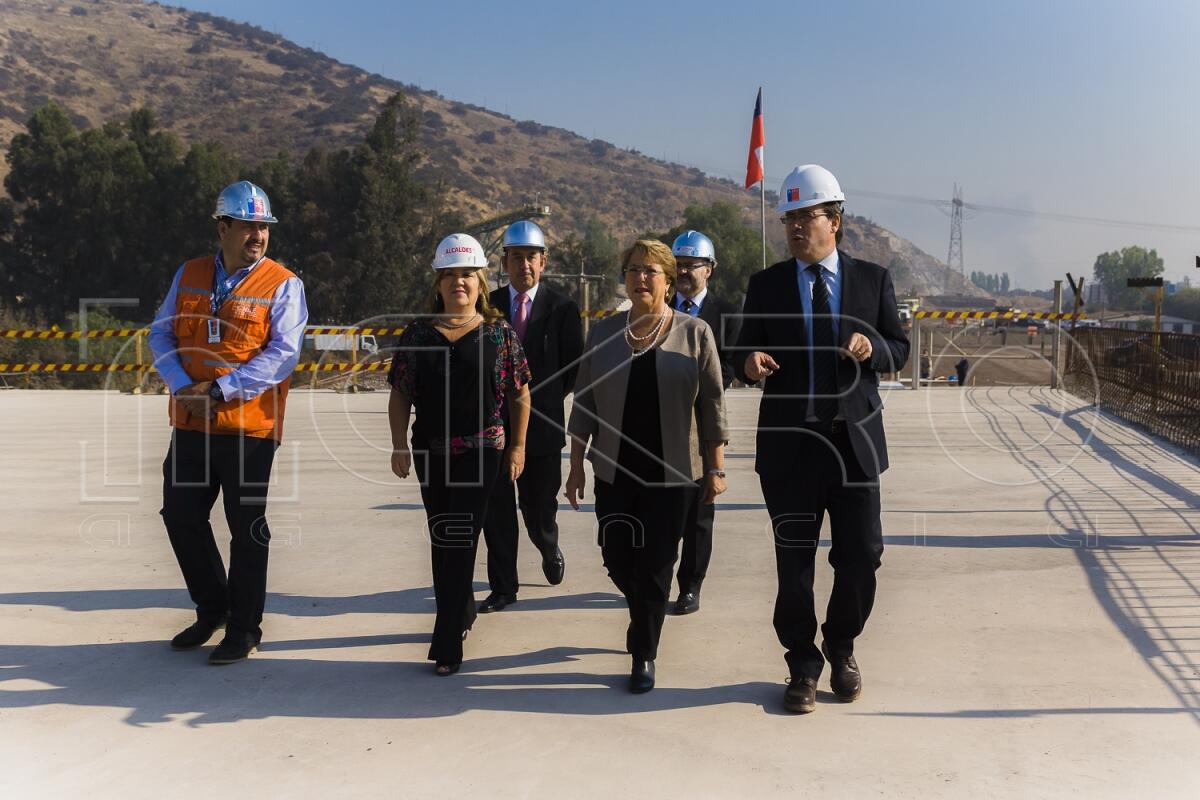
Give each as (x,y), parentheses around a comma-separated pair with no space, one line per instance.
(245,327)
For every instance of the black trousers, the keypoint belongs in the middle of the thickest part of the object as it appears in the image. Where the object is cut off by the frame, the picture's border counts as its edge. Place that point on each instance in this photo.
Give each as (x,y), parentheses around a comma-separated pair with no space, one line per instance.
(798,498)
(455,491)
(638,529)
(538,490)
(697,542)
(198,467)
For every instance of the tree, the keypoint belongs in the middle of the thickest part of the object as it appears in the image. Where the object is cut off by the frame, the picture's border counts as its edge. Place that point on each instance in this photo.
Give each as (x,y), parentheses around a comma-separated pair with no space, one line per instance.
(599,253)
(1111,270)
(104,212)
(365,226)
(1184,303)
(738,245)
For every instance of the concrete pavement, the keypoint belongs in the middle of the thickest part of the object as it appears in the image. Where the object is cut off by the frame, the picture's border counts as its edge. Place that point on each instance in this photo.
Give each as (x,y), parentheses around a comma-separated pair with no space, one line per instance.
(1035,633)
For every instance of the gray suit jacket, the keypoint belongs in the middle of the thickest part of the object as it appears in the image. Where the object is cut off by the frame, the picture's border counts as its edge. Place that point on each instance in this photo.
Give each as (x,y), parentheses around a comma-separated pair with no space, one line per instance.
(691,400)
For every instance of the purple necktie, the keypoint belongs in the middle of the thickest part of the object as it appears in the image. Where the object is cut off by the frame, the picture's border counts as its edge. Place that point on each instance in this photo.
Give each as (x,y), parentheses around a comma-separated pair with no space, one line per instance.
(521,318)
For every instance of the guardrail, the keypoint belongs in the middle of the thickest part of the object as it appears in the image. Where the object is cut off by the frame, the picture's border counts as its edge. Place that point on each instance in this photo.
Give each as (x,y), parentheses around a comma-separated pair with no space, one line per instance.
(1151,379)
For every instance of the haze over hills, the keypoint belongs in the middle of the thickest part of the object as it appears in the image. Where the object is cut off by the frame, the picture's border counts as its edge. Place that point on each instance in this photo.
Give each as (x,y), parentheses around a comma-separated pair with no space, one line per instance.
(209,78)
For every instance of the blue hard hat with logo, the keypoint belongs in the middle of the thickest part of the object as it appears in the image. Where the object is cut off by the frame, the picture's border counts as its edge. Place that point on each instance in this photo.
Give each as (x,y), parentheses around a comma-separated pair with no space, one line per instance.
(245,201)
(524,234)
(694,244)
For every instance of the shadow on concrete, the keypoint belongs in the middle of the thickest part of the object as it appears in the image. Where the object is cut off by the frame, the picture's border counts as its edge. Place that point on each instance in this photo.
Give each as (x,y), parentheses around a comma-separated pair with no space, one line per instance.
(158,685)
(401,601)
(1026,713)
(1146,586)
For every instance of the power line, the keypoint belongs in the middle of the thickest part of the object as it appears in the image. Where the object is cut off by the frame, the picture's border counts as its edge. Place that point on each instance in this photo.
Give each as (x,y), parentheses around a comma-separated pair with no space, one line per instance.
(947,206)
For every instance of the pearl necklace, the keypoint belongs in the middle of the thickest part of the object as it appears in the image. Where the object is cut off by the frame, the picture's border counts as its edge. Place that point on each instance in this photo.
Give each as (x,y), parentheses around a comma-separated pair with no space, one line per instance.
(632,339)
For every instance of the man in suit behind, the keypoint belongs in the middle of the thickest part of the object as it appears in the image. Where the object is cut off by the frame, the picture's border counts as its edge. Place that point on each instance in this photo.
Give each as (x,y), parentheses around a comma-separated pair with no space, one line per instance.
(695,261)
(551,333)
(818,329)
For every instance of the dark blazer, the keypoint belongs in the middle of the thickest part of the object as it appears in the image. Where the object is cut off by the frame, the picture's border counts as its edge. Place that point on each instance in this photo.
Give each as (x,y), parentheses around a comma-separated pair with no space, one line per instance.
(726,324)
(553,344)
(773,322)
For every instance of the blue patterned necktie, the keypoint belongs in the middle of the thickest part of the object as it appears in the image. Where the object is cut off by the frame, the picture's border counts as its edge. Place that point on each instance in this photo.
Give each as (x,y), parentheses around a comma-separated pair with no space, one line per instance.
(825,390)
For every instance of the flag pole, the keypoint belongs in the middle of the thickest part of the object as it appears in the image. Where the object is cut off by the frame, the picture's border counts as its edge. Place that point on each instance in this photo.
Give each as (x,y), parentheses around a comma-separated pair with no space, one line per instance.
(762,195)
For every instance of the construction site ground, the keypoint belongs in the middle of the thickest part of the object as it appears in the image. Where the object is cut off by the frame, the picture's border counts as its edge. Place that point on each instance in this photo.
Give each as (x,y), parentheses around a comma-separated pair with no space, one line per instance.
(1036,633)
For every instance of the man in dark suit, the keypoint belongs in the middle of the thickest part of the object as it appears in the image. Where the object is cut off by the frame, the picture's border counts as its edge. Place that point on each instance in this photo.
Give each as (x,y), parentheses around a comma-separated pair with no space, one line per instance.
(551,333)
(818,329)
(695,260)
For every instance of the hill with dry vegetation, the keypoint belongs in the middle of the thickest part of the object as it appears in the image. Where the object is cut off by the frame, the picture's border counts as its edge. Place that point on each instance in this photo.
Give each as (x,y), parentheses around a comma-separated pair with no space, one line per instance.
(210,78)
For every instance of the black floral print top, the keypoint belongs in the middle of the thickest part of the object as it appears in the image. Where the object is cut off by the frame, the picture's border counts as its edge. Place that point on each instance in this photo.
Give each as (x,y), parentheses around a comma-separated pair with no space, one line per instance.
(458,388)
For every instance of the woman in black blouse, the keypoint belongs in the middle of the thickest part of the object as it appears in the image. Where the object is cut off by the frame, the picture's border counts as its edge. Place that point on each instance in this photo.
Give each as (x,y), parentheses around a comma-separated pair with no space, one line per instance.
(458,367)
(649,399)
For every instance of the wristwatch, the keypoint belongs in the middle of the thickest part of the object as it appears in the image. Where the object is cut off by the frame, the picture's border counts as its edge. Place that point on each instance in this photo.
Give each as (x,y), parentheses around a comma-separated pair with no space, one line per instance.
(215,393)
(720,473)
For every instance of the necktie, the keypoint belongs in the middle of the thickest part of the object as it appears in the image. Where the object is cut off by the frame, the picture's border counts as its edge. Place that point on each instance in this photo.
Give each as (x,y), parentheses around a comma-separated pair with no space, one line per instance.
(825,389)
(521,318)
(686,306)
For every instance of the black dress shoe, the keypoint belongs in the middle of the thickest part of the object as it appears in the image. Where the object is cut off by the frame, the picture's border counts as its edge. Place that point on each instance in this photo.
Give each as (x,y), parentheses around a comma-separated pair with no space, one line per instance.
(233,648)
(844,678)
(554,567)
(195,635)
(641,678)
(496,602)
(688,603)
(801,695)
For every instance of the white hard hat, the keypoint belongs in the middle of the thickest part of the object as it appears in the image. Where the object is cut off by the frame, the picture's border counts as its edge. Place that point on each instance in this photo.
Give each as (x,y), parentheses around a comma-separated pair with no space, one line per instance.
(459,250)
(806,186)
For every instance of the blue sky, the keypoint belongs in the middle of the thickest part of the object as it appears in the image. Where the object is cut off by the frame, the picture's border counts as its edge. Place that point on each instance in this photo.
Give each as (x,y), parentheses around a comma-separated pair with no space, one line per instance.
(1078,107)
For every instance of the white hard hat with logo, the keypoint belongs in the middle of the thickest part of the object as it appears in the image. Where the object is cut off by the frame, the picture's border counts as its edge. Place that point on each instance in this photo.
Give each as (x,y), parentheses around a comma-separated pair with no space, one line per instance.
(806,186)
(458,251)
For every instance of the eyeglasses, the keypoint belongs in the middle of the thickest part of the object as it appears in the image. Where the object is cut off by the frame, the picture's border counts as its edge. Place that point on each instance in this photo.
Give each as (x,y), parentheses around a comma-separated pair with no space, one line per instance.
(690,267)
(801,219)
(645,272)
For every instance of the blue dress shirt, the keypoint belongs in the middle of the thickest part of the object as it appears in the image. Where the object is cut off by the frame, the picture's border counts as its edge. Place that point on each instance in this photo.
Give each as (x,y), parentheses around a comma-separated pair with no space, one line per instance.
(276,361)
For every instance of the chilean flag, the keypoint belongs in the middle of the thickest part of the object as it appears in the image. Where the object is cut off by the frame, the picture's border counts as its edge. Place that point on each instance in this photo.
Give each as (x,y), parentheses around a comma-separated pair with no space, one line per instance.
(754,164)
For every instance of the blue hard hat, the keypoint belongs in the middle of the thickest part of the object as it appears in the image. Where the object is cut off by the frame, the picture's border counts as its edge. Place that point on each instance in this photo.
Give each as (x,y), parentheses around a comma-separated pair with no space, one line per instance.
(524,234)
(245,201)
(694,244)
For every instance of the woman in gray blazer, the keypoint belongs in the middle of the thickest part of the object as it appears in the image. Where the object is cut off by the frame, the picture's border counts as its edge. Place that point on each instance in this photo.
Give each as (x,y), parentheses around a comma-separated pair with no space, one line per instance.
(647,393)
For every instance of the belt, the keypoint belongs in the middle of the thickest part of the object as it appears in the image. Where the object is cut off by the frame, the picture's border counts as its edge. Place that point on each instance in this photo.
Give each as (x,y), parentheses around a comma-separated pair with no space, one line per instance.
(834,426)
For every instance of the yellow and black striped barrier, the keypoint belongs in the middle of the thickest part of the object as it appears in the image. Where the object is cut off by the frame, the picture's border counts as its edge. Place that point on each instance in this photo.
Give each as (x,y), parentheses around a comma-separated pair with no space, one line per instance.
(373,366)
(321,331)
(315,330)
(34,367)
(11,369)
(54,333)
(997,315)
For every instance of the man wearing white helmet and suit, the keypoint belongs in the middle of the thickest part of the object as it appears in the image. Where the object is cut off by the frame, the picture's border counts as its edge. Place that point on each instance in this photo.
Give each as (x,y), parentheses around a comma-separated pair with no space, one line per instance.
(817,330)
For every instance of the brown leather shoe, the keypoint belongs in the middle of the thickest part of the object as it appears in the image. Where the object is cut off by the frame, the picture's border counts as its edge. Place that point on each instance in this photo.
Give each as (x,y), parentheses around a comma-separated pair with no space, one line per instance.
(844,678)
(801,696)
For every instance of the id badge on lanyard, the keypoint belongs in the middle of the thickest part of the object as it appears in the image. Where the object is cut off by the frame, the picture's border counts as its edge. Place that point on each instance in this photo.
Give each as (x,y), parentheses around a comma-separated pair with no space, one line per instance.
(214,331)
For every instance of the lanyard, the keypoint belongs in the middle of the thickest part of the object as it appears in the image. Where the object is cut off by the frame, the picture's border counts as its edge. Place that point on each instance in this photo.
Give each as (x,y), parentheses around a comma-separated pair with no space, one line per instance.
(223,288)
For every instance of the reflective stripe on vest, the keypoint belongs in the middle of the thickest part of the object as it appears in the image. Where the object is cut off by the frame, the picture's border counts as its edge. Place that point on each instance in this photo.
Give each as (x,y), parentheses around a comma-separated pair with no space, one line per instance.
(245,325)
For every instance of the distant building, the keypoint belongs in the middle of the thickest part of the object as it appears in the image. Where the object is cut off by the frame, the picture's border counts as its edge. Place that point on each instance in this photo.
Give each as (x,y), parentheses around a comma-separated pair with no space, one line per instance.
(1145,322)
